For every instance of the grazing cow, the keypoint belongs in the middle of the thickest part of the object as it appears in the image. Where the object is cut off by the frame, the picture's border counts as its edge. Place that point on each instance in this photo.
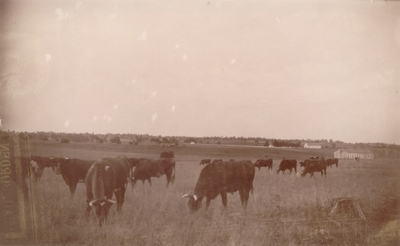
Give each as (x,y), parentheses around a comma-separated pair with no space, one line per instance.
(220,179)
(357,159)
(39,163)
(231,159)
(314,166)
(304,163)
(205,161)
(216,161)
(314,158)
(104,178)
(147,168)
(72,171)
(263,163)
(287,164)
(167,154)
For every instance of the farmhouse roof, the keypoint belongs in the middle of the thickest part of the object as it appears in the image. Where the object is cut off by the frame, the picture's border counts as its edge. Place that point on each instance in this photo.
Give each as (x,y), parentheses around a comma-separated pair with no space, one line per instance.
(313,144)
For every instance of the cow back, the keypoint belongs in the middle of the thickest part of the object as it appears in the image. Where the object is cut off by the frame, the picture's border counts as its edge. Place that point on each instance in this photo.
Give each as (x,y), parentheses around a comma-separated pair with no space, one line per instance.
(216,178)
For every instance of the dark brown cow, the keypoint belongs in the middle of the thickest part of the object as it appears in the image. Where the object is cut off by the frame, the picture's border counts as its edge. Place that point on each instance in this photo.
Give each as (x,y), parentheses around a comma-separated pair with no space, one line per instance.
(72,171)
(216,161)
(222,178)
(330,162)
(167,154)
(263,163)
(104,178)
(314,166)
(147,168)
(205,161)
(287,164)
(357,159)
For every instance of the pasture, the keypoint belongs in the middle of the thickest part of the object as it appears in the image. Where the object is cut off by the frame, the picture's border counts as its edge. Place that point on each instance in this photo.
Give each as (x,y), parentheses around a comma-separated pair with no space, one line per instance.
(283,209)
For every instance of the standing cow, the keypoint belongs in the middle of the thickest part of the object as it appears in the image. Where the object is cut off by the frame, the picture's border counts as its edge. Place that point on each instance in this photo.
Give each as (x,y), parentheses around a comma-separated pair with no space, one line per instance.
(39,163)
(314,166)
(72,171)
(104,178)
(205,161)
(287,164)
(330,162)
(147,168)
(222,178)
(263,163)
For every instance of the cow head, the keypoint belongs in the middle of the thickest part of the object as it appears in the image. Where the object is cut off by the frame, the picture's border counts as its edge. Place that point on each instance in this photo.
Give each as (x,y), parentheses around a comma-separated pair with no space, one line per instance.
(101,208)
(194,202)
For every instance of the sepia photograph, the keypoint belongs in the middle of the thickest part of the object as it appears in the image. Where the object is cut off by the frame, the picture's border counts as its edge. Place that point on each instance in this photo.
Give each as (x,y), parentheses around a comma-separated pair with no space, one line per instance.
(200,122)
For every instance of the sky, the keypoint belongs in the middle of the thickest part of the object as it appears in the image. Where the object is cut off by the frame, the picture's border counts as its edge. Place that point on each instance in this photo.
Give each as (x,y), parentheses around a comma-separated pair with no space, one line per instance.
(294,69)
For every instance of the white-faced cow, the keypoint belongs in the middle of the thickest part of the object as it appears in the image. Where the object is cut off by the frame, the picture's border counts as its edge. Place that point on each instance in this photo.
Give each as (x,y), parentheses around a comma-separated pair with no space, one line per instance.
(104,178)
(147,168)
(39,163)
(287,164)
(222,178)
(263,163)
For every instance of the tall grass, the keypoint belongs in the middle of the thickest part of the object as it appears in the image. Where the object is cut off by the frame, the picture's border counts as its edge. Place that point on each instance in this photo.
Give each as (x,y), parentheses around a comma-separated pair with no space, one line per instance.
(283,210)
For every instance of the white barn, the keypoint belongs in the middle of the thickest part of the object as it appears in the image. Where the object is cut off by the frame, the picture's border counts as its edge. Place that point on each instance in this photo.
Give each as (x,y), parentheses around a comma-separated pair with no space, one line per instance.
(312,146)
(353,153)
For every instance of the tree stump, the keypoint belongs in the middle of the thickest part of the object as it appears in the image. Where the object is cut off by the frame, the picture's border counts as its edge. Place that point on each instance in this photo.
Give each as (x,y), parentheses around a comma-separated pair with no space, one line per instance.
(347,202)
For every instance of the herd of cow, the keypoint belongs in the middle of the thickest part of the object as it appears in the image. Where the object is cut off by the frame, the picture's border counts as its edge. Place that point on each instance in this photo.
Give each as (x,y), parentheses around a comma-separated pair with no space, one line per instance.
(110,176)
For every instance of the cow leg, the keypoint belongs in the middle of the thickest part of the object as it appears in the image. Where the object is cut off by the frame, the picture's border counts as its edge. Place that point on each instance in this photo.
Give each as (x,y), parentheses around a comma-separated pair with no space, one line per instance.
(118,197)
(208,200)
(244,197)
(72,187)
(224,197)
(149,179)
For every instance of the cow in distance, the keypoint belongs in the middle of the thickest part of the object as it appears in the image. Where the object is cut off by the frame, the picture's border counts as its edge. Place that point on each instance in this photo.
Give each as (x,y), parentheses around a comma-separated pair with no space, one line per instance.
(205,161)
(287,164)
(147,168)
(264,163)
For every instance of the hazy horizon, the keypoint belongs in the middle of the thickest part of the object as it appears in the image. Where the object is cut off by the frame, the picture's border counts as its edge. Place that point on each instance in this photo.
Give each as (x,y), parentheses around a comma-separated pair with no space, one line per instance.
(297,69)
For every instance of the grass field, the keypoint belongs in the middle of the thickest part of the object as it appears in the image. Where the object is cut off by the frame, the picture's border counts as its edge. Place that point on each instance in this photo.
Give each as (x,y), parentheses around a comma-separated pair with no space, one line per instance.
(283,210)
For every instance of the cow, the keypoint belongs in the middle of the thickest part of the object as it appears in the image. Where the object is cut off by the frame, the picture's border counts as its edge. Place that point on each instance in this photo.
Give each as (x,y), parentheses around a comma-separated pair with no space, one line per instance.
(72,171)
(205,161)
(105,177)
(263,163)
(167,154)
(314,158)
(314,166)
(147,168)
(216,161)
(222,178)
(39,163)
(287,164)
(357,159)
(330,162)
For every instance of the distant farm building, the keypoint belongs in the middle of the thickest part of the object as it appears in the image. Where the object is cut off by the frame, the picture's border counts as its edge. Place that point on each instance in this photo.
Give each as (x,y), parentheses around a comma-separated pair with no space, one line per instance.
(312,146)
(353,153)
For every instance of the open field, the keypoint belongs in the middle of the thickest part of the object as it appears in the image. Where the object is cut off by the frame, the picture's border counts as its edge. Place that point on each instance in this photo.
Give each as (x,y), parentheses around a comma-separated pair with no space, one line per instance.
(283,210)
